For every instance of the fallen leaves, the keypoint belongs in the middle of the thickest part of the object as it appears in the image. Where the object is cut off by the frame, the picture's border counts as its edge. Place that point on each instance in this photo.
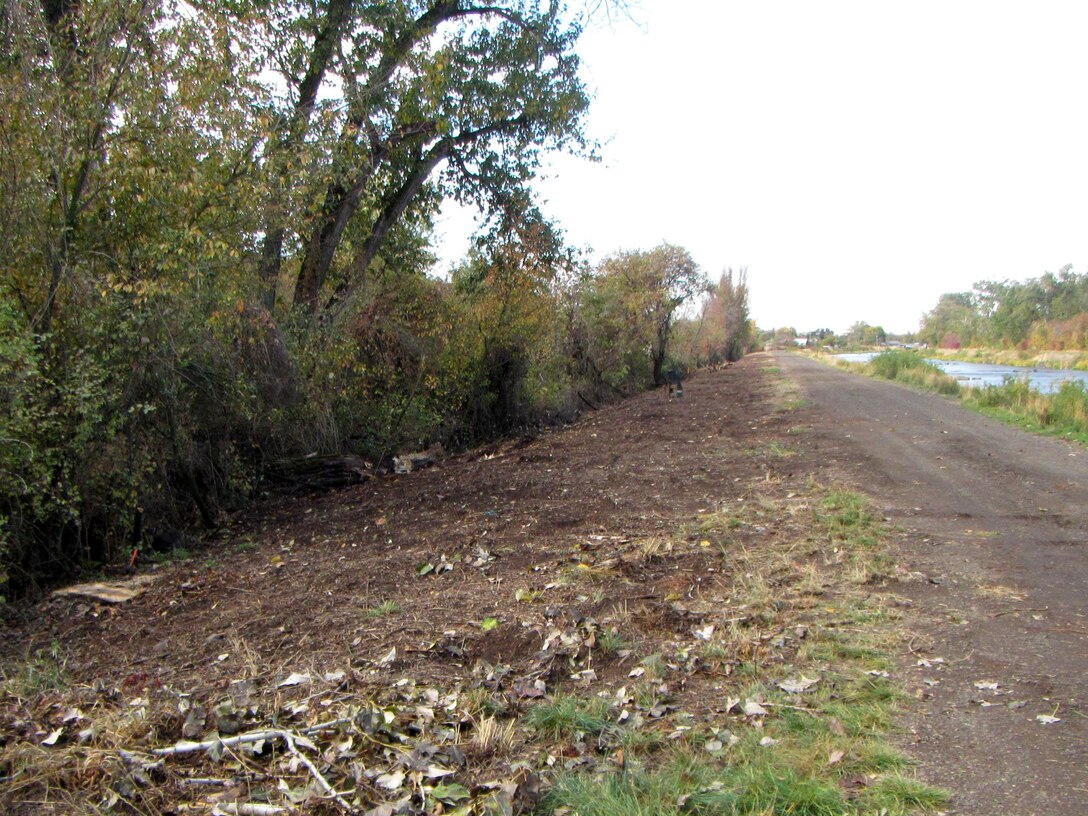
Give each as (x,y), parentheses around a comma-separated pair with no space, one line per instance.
(800,686)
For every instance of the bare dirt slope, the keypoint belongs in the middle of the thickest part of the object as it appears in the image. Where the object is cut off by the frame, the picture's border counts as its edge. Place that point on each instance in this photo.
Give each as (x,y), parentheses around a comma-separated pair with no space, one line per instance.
(300,580)
(997,521)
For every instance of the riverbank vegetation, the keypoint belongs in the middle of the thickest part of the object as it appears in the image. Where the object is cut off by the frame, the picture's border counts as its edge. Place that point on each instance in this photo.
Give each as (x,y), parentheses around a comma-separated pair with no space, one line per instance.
(1023,358)
(1063,413)
(1044,314)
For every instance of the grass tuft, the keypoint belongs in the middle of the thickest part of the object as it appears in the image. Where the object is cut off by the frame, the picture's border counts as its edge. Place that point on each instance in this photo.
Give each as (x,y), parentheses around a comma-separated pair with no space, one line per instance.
(912,369)
(566,716)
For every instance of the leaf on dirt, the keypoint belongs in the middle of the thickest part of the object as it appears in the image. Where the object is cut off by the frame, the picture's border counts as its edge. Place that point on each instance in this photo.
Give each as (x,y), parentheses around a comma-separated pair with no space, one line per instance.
(424,569)
(194,722)
(1048,719)
(53,737)
(437,772)
(930,662)
(294,679)
(450,793)
(73,714)
(242,692)
(986,685)
(753,709)
(798,686)
(389,657)
(489,624)
(390,781)
(528,689)
(483,557)
(636,672)
(705,633)
(334,677)
(877,673)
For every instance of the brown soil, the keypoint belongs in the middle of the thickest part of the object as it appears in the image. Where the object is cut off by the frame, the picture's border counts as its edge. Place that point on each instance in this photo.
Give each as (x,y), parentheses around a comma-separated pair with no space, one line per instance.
(995,522)
(299,582)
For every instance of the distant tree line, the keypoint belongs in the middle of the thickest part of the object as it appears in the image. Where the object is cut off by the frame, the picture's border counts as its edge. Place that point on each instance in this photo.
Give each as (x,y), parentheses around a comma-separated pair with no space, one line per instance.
(216,225)
(1048,312)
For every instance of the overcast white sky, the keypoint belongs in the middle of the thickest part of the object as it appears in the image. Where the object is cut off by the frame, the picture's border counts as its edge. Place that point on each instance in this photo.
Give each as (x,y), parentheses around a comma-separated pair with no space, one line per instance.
(860,158)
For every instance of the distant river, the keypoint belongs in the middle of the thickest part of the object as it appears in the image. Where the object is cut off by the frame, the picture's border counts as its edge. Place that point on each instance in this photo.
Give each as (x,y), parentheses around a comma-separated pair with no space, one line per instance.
(977,375)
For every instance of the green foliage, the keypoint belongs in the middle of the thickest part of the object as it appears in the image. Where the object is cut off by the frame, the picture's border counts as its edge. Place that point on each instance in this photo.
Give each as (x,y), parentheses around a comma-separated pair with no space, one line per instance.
(627,314)
(912,369)
(206,273)
(1064,412)
(862,334)
(1048,312)
(723,330)
(42,672)
(160,193)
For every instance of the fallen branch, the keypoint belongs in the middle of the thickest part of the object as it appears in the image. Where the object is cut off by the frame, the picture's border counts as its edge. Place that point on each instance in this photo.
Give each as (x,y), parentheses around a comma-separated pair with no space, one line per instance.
(186,747)
(248,809)
(289,739)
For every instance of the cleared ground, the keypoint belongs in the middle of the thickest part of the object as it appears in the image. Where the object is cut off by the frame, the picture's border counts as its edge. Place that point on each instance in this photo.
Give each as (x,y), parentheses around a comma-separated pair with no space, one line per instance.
(673,566)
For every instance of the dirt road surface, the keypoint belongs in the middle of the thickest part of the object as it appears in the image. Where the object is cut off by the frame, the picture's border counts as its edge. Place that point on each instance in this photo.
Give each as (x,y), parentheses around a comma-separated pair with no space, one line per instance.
(996,520)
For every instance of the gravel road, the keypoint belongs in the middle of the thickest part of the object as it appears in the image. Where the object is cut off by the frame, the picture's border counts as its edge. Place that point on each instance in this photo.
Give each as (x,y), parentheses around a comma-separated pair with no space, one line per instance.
(995,523)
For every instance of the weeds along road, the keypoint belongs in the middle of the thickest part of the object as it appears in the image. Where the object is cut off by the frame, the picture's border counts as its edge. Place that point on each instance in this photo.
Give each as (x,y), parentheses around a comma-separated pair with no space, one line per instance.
(995,520)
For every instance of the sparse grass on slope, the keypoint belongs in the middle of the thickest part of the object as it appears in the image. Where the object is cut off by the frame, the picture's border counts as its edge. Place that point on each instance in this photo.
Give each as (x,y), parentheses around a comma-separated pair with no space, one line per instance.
(814,740)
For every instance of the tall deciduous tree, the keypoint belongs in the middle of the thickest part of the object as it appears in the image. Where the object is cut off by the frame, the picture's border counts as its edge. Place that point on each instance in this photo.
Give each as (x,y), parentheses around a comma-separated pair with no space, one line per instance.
(647,288)
(723,330)
(406,102)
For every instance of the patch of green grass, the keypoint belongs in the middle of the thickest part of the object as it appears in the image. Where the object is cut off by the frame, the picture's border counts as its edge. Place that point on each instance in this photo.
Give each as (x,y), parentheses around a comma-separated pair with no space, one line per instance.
(611,640)
(1064,412)
(42,672)
(168,556)
(655,666)
(566,716)
(897,795)
(780,450)
(692,785)
(245,546)
(385,608)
